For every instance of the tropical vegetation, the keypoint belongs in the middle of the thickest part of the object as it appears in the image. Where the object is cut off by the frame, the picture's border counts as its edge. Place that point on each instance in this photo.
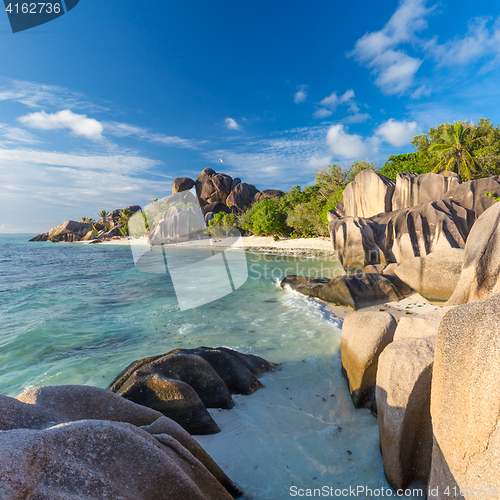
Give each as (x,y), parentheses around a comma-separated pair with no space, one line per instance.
(471,150)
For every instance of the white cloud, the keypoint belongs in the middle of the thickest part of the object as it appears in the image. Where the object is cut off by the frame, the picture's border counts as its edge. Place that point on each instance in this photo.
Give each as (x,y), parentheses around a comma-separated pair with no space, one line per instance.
(331,102)
(397,133)
(317,162)
(231,124)
(357,118)
(126,130)
(394,69)
(301,95)
(420,92)
(478,42)
(113,163)
(350,146)
(322,113)
(38,95)
(16,135)
(41,189)
(79,125)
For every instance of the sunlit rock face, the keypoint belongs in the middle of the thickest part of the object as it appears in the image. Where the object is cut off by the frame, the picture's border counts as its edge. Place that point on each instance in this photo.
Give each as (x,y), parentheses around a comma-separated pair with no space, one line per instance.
(465,400)
(369,194)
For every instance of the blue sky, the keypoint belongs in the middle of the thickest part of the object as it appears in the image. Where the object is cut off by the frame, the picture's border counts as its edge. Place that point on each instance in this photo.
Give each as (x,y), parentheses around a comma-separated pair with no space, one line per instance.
(106,105)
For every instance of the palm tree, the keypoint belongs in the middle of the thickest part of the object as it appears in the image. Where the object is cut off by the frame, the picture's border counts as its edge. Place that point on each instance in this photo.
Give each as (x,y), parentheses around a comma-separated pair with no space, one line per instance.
(455,151)
(104,218)
(125,215)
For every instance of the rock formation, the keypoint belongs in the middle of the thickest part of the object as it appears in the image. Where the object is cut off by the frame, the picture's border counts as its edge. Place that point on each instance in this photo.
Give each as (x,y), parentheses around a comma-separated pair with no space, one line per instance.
(369,194)
(435,275)
(404,377)
(354,291)
(364,336)
(397,236)
(83,442)
(480,276)
(69,230)
(413,190)
(183,383)
(182,184)
(465,401)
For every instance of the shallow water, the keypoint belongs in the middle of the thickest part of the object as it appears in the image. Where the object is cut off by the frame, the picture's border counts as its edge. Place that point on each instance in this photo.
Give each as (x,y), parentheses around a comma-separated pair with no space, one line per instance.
(79,314)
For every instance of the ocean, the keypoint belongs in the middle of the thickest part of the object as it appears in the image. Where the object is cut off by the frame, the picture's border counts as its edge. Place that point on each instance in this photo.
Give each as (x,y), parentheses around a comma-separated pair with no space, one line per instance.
(79,314)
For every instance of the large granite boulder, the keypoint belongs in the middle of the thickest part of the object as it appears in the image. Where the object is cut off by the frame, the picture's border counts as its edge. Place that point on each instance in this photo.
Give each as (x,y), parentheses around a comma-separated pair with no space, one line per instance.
(69,230)
(480,277)
(412,189)
(368,194)
(472,194)
(435,275)
(465,400)
(183,383)
(420,325)
(401,235)
(354,291)
(71,402)
(81,442)
(213,187)
(182,184)
(216,207)
(242,195)
(364,336)
(403,389)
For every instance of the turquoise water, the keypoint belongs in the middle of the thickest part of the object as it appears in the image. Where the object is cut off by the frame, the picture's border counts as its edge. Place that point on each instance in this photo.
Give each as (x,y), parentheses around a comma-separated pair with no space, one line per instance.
(78,314)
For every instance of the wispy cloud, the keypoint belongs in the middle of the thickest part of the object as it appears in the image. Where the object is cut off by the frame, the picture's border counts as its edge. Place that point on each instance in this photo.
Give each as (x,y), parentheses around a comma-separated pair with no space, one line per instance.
(357,118)
(301,94)
(38,95)
(393,68)
(480,41)
(79,125)
(11,134)
(111,162)
(322,113)
(330,103)
(117,129)
(286,158)
(231,124)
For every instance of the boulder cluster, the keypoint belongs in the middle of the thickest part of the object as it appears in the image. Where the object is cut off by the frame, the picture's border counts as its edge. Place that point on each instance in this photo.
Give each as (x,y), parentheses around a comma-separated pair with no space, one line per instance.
(83,442)
(71,230)
(131,442)
(380,221)
(430,247)
(183,383)
(433,379)
(216,192)
(221,193)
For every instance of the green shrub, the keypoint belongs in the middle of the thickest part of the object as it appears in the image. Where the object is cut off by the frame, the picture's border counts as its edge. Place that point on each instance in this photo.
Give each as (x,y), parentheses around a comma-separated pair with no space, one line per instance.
(267,217)
(221,224)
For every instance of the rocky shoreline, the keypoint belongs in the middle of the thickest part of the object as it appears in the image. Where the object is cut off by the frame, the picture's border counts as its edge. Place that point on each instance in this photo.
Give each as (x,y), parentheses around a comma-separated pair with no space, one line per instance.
(431,378)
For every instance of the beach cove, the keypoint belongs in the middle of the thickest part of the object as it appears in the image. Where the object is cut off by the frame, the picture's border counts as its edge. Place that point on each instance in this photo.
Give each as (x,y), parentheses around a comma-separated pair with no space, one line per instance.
(92,313)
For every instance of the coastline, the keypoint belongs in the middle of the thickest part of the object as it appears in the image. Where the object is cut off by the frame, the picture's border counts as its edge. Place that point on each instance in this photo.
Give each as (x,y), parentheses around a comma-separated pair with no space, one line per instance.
(299,247)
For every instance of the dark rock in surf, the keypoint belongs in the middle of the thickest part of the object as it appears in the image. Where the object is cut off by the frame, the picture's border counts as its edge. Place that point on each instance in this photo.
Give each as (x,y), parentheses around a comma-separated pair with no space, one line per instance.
(183,382)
